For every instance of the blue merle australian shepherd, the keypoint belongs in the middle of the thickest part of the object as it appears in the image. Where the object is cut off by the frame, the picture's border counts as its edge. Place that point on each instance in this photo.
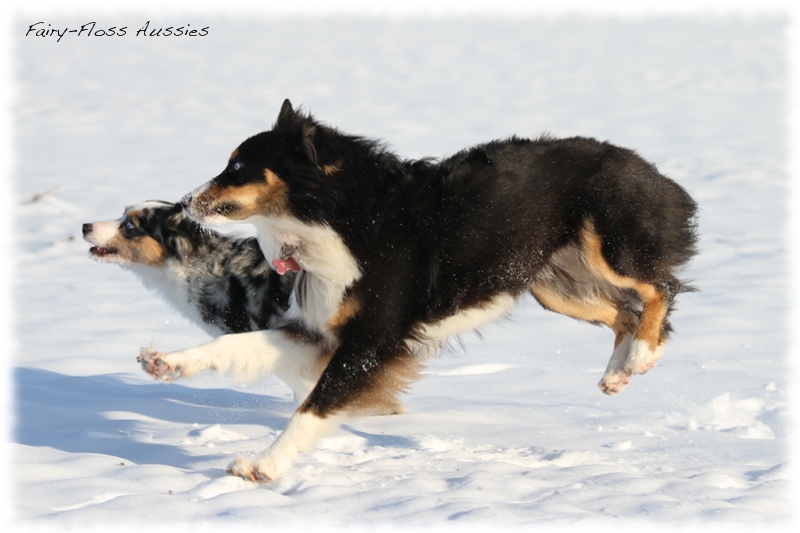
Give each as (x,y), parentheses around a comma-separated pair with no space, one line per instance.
(222,284)
(395,257)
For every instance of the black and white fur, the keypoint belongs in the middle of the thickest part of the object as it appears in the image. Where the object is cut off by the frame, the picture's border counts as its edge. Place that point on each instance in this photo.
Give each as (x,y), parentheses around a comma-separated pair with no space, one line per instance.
(222,284)
(398,256)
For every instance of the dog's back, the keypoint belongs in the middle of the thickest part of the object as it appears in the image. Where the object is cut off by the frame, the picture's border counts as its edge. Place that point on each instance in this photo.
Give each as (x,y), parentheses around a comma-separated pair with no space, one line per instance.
(526,199)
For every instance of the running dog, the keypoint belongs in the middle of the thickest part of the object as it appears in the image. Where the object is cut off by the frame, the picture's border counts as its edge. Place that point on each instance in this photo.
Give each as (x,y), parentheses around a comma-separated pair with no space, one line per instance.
(397,256)
(222,284)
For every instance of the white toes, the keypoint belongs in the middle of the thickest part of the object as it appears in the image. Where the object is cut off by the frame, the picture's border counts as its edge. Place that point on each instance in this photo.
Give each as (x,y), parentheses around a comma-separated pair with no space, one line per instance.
(614,383)
(153,363)
(630,357)
(616,377)
(246,470)
(642,358)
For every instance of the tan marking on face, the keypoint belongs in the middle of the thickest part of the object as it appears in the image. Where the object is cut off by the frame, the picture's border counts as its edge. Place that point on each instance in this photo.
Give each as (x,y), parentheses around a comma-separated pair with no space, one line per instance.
(203,203)
(147,250)
(234,154)
(144,250)
(267,198)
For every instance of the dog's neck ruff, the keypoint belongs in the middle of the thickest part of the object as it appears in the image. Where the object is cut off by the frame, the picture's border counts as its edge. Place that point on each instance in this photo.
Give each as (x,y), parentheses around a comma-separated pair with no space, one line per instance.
(286,263)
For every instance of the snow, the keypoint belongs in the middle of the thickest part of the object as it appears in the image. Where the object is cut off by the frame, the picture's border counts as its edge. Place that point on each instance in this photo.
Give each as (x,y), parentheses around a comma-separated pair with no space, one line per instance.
(509,429)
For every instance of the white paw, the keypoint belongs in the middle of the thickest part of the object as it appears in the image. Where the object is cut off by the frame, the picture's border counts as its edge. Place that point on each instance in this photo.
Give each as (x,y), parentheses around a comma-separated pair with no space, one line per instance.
(616,377)
(247,470)
(154,363)
(642,358)
(613,383)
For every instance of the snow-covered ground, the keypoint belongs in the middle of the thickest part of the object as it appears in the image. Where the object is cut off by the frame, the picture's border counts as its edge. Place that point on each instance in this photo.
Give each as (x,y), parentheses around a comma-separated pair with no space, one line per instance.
(511,429)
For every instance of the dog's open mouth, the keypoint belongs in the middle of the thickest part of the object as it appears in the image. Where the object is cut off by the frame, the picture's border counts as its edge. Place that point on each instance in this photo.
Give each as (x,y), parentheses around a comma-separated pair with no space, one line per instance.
(99,251)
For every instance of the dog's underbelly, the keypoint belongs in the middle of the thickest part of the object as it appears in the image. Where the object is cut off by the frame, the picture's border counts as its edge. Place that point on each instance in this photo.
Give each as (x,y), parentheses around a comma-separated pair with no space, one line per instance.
(468,319)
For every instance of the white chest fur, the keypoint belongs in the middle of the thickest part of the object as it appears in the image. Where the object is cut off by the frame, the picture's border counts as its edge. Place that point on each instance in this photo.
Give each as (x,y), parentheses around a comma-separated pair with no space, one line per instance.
(329,267)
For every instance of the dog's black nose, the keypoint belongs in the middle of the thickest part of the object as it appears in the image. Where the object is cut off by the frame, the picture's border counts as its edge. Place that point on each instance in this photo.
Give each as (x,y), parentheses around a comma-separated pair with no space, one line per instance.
(87,228)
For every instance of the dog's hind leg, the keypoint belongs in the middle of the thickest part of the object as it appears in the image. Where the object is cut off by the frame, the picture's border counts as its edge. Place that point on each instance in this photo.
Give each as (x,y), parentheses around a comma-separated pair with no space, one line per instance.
(596,308)
(568,286)
(639,352)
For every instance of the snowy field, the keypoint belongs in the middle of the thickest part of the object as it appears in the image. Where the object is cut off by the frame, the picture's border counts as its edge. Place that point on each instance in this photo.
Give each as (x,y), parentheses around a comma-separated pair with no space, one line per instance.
(511,429)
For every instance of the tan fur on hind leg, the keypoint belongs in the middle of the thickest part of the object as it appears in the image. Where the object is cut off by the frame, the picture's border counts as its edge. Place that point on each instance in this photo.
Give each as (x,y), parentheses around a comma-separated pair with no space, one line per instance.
(648,342)
(640,353)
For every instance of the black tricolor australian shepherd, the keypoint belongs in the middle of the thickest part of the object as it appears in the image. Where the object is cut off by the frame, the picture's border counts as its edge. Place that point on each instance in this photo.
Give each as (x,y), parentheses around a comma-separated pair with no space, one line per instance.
(396,256)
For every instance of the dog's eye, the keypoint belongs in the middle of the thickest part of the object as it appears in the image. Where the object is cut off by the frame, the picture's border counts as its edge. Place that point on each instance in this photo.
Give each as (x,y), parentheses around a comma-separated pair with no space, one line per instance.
(237,165)
(130,230)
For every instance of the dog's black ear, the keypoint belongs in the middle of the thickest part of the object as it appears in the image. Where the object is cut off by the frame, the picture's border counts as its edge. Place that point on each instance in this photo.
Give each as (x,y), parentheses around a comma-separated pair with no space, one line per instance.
(304,130)
(287,116)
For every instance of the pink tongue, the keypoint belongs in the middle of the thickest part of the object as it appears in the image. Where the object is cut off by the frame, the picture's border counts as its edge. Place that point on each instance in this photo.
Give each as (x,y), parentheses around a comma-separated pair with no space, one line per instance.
(282,266)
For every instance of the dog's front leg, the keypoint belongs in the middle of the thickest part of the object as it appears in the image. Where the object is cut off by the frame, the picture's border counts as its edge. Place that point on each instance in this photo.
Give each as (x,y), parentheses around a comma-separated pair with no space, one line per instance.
(302,433)
(355,381)
(246,355)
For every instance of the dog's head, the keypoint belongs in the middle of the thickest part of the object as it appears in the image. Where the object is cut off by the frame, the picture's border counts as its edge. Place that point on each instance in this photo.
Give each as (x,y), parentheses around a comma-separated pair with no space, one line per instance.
(148,233)
(269,174)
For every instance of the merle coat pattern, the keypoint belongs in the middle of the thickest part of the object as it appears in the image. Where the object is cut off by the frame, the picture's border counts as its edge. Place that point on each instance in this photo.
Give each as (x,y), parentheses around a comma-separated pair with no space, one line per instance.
(222,283)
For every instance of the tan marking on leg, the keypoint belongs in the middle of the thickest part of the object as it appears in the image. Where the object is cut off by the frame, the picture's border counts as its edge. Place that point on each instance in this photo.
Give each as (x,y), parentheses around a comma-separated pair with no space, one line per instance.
(381,397)
(654,303)
(625,324)
(593,257)
(620,335)
(384,404)
(597,309)
(652,321)
(346,311)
